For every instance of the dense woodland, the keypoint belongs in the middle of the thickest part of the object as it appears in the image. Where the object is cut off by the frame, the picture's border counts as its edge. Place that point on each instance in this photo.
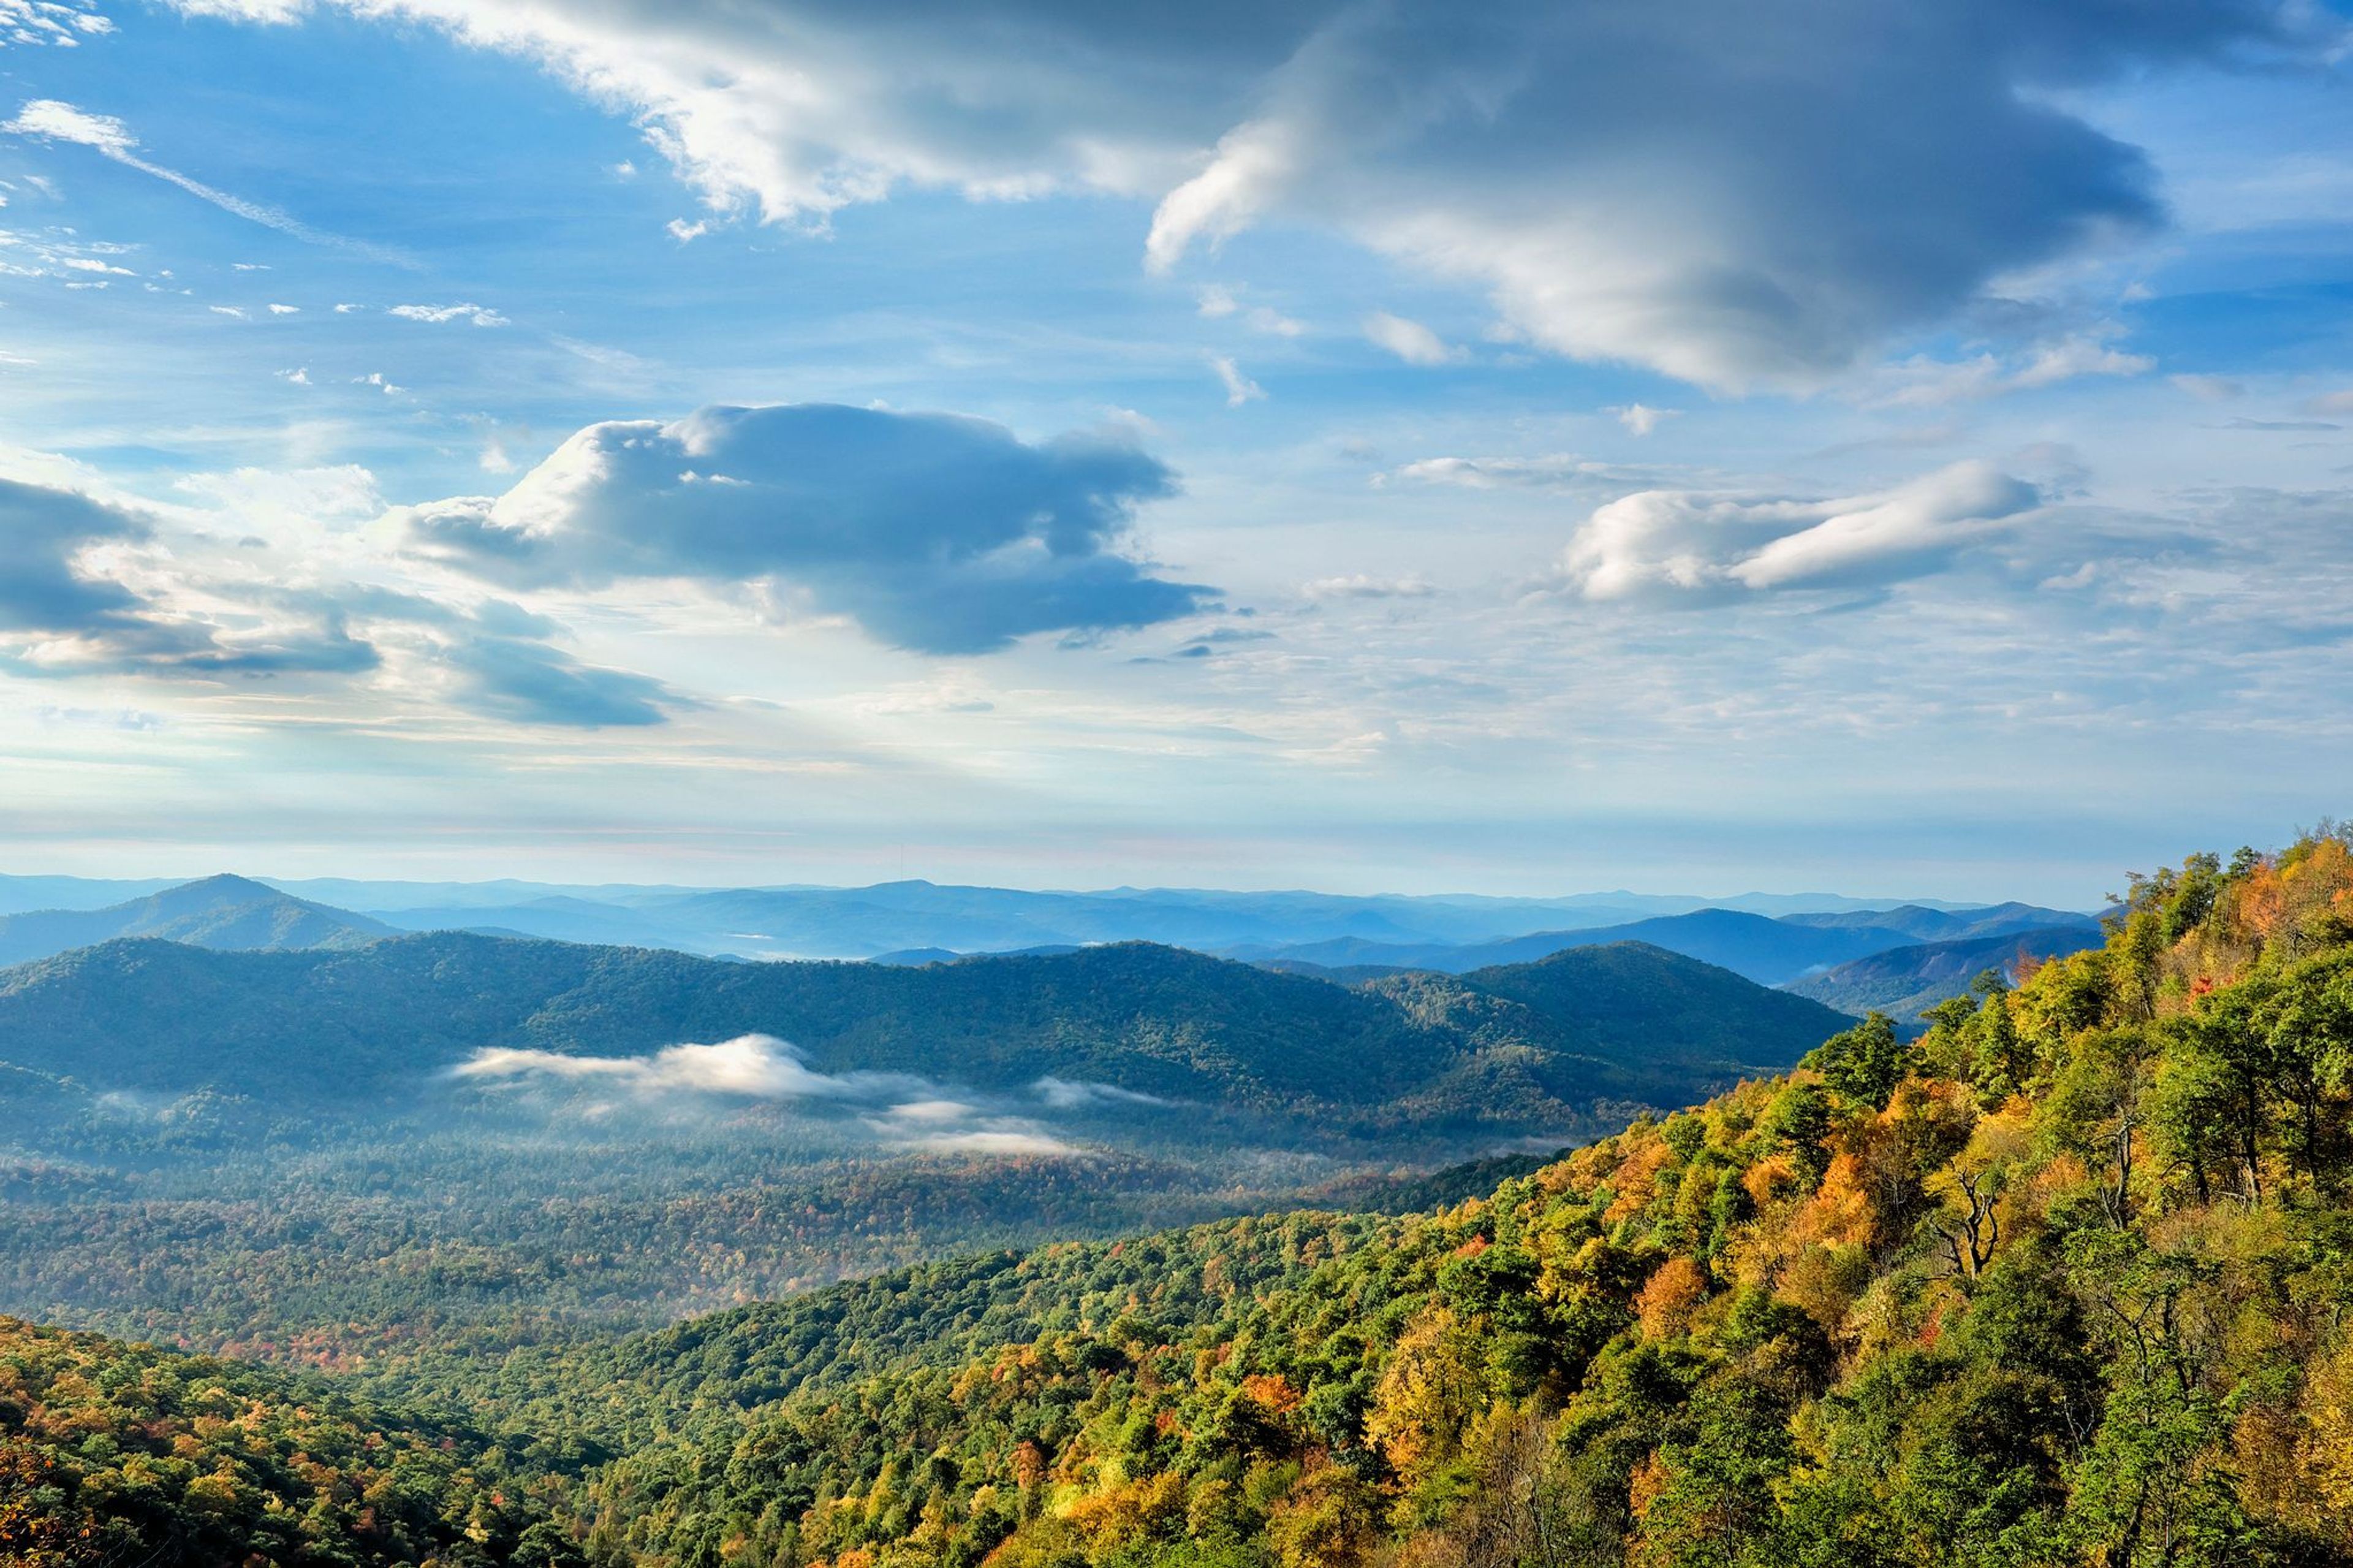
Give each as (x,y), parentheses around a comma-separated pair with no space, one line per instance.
(2068,1279)
(267,1154)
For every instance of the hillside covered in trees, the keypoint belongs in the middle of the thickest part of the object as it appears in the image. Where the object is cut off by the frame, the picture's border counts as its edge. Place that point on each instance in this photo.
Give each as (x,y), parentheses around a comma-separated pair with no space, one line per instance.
(2065,1282)
(450,1144)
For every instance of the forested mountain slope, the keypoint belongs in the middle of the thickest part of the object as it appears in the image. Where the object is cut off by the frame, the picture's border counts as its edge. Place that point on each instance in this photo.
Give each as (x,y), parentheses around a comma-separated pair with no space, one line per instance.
(442,1147)
(123,1455)
(2063,1282)
(341,1028)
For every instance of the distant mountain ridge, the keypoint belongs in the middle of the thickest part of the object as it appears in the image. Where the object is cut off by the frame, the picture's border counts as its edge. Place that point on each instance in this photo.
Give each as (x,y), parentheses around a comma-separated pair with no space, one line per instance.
(228,913)
(1535,1046)
(1770,952)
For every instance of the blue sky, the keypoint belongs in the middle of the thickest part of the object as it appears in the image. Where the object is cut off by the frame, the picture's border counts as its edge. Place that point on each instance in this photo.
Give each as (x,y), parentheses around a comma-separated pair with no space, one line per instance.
(1698,447)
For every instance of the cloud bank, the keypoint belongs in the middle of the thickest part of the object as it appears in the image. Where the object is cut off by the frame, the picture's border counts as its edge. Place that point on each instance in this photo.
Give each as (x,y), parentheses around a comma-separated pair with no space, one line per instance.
(935,532)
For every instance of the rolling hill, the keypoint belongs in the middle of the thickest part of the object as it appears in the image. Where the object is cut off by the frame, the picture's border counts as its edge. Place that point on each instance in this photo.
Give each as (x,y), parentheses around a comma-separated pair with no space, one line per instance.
(345,1028)
(1767,951)
(1958,1300)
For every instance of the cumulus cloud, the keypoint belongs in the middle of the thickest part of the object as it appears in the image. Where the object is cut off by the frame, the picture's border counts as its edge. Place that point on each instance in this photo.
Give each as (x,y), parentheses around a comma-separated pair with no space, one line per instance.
(1682,546)
(935,532)
(1734,195)
(1641,418)
(51,120)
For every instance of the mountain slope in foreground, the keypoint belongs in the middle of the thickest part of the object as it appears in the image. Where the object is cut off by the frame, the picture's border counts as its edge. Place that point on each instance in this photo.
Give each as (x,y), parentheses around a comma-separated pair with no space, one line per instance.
(124,1455)
(2063,1283)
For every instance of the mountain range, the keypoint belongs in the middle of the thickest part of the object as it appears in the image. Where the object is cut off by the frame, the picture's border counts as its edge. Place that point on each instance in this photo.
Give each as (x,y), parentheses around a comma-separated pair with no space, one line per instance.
(1770,951)
(892,917)
(228,912)
(1520,1048)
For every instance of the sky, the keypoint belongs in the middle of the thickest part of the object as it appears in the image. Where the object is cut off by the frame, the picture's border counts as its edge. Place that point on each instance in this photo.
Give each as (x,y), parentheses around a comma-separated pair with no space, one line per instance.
(1697,447)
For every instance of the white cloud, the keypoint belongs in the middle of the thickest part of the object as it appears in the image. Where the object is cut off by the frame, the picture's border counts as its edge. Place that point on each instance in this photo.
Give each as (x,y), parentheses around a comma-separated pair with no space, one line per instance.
(1240,388)
(755,1067)
(1069,1094)
(60,24)
(935,532)
(1556,472)
(1218,302)
(1668,546)
(1712,190)
(284,309)
(986,1141)
(1409,340)
(1921,381)
(290,502)
(1641,418)
(477,315)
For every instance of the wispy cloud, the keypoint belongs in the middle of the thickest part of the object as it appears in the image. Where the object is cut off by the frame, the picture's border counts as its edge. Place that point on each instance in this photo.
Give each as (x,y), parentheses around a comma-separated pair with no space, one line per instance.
(479,315)
(1408,340)
(54,121)
(1240,388)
